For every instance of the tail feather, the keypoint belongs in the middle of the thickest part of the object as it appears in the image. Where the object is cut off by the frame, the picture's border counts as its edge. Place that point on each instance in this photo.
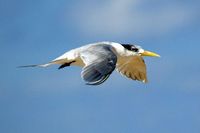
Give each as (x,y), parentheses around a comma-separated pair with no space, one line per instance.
(62,62)
(40,65)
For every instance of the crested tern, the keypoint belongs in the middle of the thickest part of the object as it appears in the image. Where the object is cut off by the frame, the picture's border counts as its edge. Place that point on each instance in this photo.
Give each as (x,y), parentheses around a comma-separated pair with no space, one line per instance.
(99,60)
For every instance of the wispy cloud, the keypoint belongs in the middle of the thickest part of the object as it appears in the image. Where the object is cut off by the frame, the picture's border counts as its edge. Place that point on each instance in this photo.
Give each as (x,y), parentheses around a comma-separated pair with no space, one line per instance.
(138,17)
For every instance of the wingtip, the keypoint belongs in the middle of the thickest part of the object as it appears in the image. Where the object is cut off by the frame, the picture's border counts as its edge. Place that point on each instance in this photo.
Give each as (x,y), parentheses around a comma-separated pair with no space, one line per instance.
(145,81)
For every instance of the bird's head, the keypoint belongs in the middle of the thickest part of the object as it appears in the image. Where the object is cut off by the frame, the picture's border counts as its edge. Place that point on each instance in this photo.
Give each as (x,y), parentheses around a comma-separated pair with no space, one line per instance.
(139,50)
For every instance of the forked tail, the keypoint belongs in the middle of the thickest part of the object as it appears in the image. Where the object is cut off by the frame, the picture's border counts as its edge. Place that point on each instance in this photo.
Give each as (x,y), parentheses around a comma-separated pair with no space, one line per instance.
(62,62)
(40,65)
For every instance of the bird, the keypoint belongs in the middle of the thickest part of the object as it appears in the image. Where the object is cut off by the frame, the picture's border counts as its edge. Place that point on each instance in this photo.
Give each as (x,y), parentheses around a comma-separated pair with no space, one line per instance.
(98,61)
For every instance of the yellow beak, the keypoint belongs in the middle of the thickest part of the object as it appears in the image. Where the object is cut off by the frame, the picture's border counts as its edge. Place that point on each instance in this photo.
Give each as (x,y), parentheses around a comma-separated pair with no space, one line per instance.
(148,53)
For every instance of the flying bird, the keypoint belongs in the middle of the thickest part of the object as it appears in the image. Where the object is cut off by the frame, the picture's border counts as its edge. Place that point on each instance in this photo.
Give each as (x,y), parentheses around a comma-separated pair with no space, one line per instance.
(99,60)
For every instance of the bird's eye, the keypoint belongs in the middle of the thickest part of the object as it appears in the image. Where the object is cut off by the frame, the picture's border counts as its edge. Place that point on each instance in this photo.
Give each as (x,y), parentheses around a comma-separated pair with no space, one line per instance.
(134,49)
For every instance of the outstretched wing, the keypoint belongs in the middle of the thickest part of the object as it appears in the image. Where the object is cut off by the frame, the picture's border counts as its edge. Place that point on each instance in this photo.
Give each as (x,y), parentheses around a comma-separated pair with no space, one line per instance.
(133,67)
(100,61)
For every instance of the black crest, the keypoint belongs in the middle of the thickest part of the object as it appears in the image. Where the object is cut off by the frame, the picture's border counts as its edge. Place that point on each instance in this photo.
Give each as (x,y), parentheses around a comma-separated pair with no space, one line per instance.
(130,47)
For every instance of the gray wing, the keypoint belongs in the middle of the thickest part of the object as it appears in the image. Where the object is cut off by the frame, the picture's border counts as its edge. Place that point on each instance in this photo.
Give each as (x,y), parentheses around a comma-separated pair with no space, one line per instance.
(133,67)
(100,61)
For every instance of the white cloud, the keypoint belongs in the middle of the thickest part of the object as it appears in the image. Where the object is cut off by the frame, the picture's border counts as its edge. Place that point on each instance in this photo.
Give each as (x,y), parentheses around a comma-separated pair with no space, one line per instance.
(135,17)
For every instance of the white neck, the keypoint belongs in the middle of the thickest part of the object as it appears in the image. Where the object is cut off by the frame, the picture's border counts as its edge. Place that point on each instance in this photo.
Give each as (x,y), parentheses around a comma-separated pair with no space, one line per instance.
(120,50)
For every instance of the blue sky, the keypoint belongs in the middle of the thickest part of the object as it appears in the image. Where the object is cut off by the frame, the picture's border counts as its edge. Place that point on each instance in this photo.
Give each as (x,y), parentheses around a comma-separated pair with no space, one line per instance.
(58,101)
